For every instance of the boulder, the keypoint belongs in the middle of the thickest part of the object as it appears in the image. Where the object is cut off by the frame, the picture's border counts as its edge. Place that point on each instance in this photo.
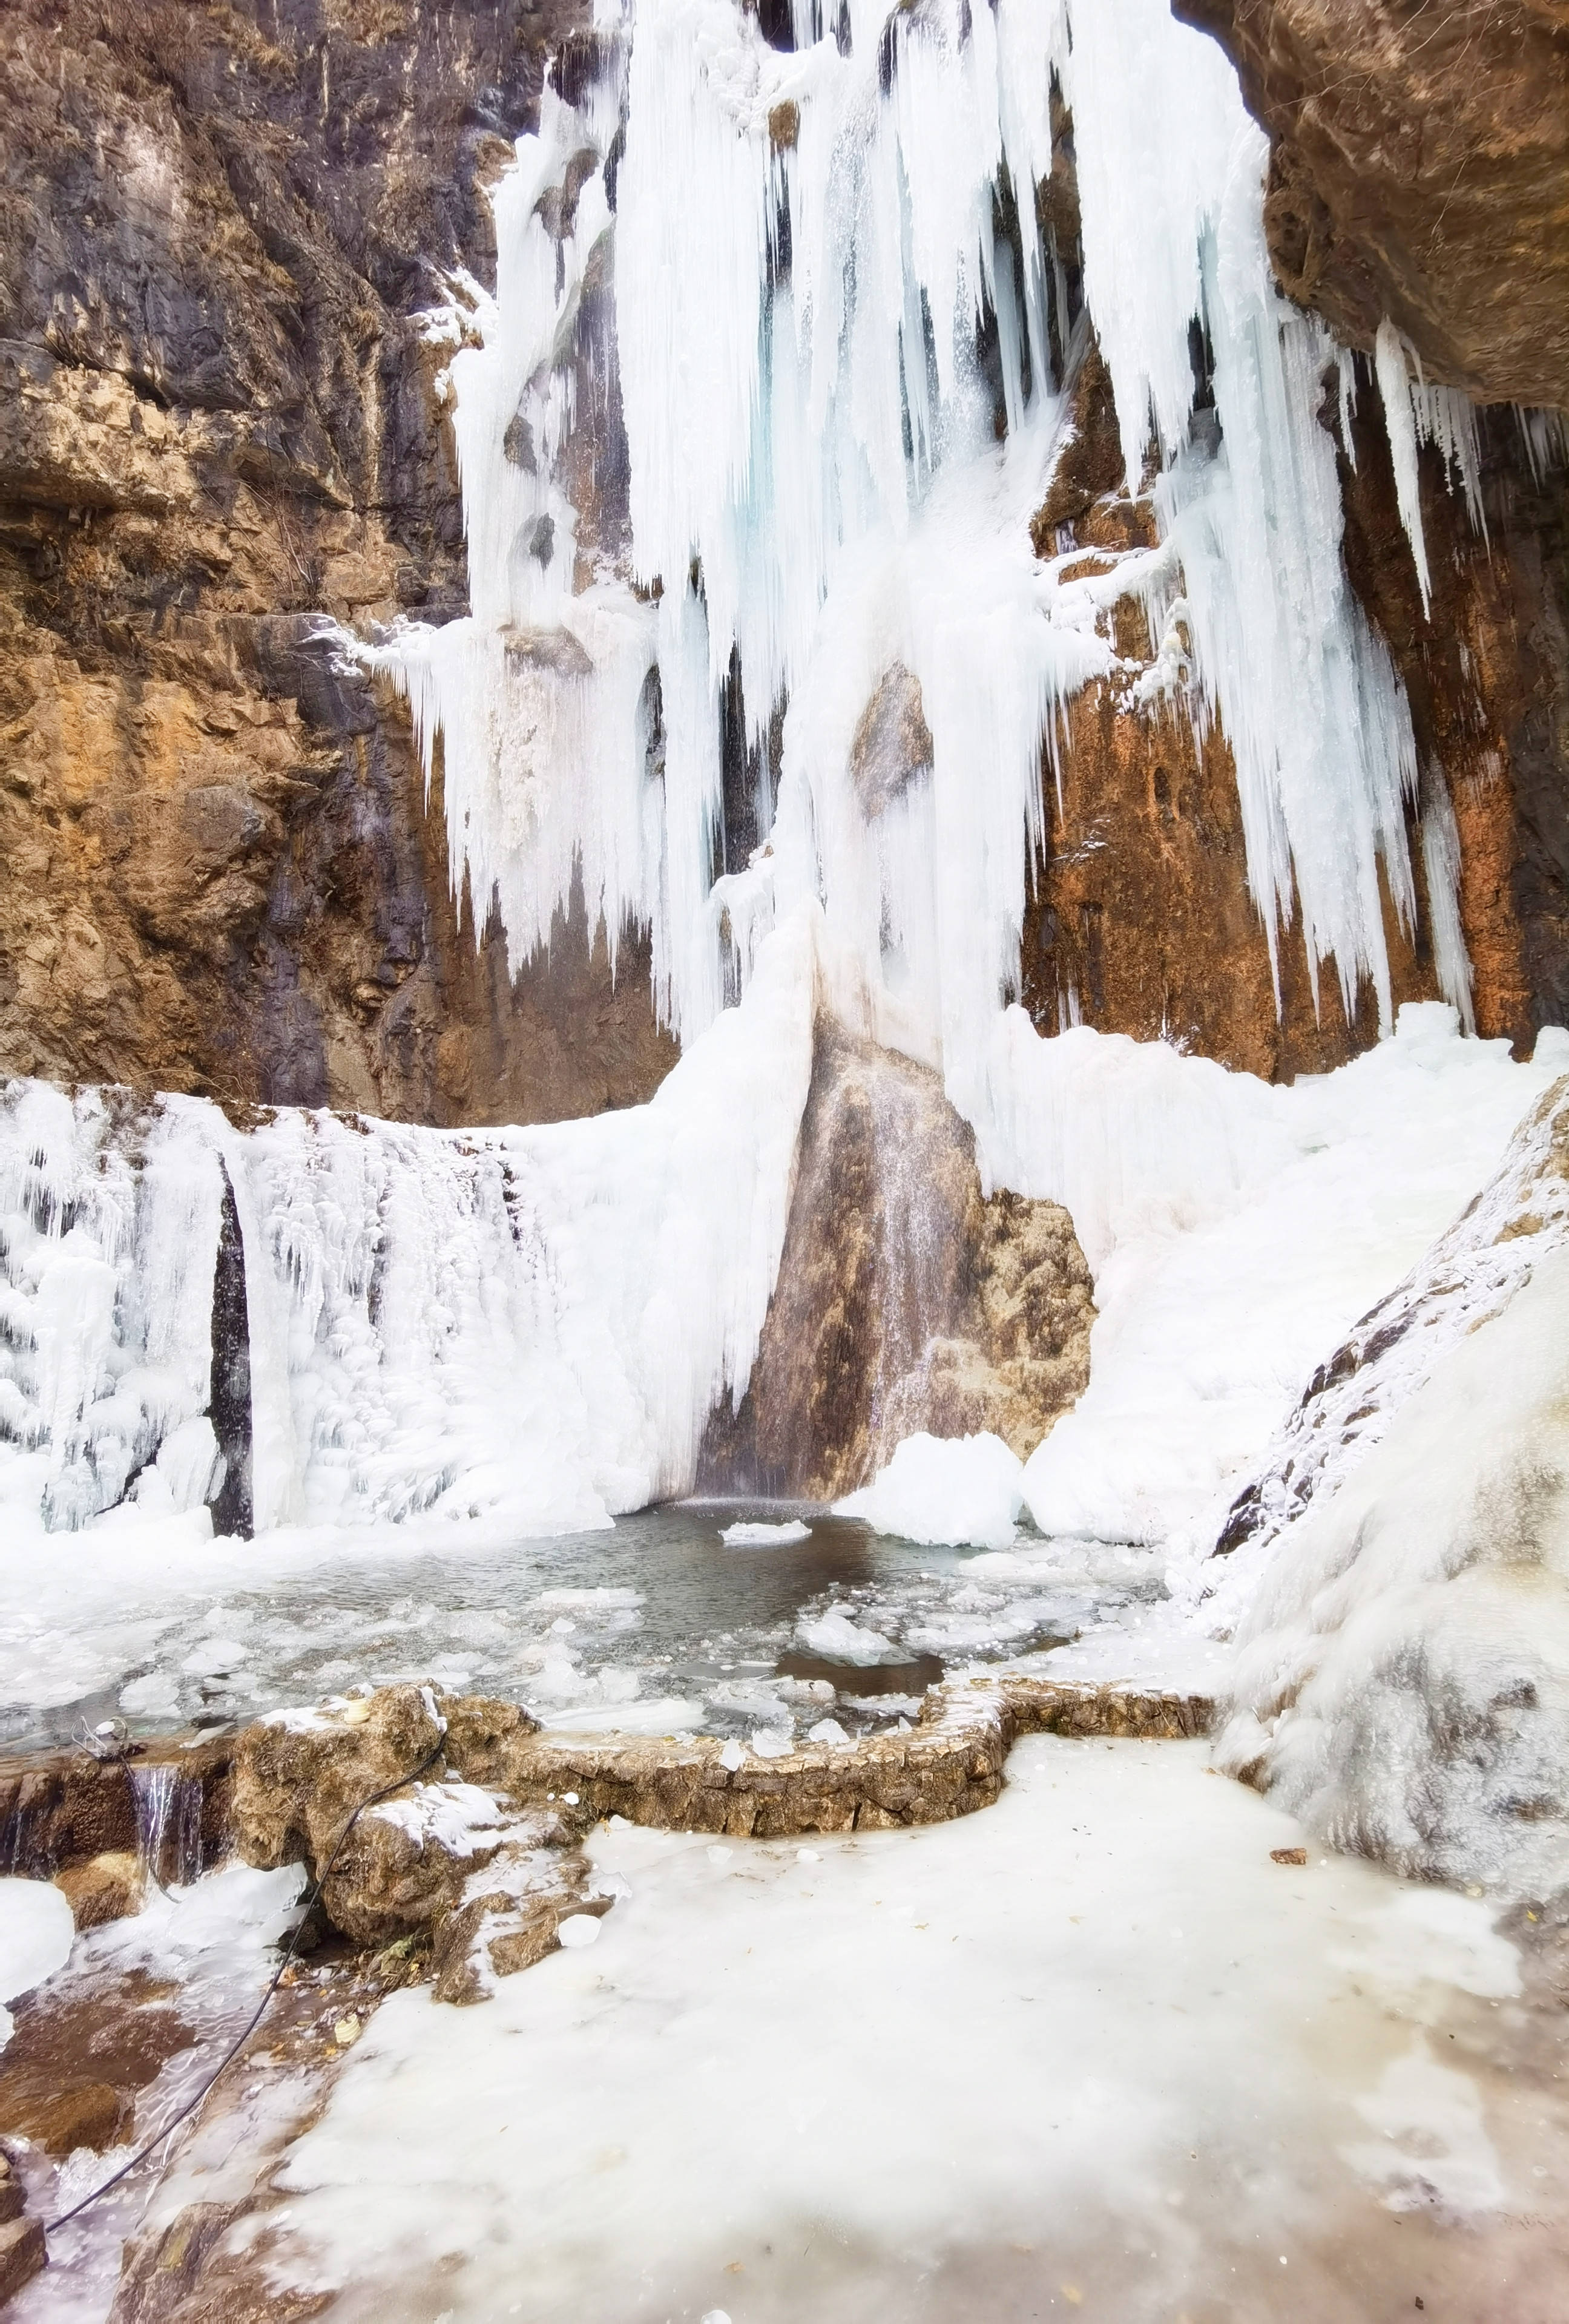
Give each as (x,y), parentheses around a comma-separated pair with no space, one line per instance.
(23,2254)
(107,1887)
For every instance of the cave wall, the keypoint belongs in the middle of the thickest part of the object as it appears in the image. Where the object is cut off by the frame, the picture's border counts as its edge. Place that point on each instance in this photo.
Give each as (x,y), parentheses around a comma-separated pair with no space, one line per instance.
(218,226)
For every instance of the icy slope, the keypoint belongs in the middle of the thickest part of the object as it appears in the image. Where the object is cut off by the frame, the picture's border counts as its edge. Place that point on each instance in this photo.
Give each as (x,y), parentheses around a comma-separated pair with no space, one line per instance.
(1402,1679)
(1237,1231)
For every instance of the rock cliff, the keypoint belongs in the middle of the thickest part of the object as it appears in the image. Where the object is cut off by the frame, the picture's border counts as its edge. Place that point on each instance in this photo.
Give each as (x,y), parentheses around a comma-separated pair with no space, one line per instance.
(218,438)
(1141,920)
(1419,170)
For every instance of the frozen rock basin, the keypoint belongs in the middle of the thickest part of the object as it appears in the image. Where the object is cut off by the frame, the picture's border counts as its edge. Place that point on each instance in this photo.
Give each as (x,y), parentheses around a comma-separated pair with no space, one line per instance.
(1092,2051)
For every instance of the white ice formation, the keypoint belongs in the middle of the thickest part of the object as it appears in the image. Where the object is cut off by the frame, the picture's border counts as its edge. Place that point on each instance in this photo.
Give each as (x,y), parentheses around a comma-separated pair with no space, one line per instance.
(535,1320)
(1402,1679)
(967,1491)
(805,249)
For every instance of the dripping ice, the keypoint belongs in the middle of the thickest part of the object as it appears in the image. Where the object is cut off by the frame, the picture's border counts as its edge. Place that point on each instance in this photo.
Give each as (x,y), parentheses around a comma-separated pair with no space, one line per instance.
(814,485)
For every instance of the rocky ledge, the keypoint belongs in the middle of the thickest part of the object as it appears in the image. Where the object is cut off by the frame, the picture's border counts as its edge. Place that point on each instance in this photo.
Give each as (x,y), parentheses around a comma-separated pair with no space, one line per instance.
(471,1842)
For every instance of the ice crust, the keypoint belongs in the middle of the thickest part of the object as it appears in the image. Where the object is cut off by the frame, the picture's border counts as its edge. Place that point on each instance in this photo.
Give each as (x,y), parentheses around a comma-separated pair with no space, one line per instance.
(986,2052)
(36,1933)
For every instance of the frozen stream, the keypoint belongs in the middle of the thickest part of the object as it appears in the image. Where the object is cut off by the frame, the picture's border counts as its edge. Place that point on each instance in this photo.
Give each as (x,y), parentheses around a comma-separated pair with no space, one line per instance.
(655,1625)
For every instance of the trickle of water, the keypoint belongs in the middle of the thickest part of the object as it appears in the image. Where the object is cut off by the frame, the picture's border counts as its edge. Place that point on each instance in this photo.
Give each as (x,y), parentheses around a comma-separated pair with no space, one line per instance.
(168,1803)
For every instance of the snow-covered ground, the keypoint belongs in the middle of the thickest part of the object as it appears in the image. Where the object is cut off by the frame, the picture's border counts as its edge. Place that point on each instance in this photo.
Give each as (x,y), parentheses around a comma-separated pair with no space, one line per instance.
(1091,2051)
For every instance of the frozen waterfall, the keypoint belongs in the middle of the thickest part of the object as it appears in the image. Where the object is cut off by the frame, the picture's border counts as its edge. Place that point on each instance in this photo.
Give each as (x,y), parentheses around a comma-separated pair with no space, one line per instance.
(778,363)
(530,1322)
(813,288)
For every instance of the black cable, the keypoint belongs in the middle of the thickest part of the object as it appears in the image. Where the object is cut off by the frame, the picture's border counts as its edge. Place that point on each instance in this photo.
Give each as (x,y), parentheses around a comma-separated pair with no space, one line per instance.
(233,2052)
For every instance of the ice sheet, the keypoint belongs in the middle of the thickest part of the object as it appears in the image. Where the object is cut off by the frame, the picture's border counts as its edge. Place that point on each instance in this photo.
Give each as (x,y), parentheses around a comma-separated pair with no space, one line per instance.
(958,2071)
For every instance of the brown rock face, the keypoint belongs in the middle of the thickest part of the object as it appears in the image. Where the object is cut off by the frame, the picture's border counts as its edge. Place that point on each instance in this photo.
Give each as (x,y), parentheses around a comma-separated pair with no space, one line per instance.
(1486,672)
(64,1812)
(1419,169)
(23,2254)
(892,742)
(1140,919)
(106,1888)
(904,1300)
(218,437)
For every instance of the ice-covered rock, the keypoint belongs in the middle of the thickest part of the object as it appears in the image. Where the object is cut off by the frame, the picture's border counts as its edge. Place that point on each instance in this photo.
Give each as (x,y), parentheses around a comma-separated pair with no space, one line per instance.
(36,1933)
(966,1490)
(1402,1678)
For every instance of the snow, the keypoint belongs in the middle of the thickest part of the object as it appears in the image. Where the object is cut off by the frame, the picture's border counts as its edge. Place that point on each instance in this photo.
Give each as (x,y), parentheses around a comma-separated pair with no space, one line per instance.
(757,1535)
(459,1818)
(1237,1231)
(950,2072)
(36,1933)
(965,1489)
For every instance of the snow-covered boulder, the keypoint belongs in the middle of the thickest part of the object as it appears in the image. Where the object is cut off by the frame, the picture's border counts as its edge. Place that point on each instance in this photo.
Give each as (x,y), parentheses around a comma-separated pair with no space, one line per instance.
(965,1491)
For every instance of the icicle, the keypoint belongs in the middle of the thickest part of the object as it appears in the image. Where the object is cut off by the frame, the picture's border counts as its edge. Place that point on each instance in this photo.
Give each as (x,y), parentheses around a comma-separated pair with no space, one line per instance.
(1400,426)
(1440,863)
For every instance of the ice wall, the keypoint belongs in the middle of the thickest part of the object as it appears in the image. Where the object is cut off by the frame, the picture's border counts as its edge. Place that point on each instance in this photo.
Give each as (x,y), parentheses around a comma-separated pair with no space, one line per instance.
(531,1322)
(813,288)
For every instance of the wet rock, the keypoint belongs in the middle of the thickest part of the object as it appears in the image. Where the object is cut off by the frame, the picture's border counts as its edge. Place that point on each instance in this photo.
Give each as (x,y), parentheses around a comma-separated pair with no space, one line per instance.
(949,1764)
(904,1300)
(100,1888)
(63,2117)
(62,1808)
(22,2256)
(184,2274)
(300,1777)
(891,745)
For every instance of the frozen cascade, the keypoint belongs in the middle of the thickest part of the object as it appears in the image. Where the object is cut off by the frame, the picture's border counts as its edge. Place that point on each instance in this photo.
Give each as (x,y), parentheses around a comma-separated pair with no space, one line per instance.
(534,1321)
(168,1805)
(775,267)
